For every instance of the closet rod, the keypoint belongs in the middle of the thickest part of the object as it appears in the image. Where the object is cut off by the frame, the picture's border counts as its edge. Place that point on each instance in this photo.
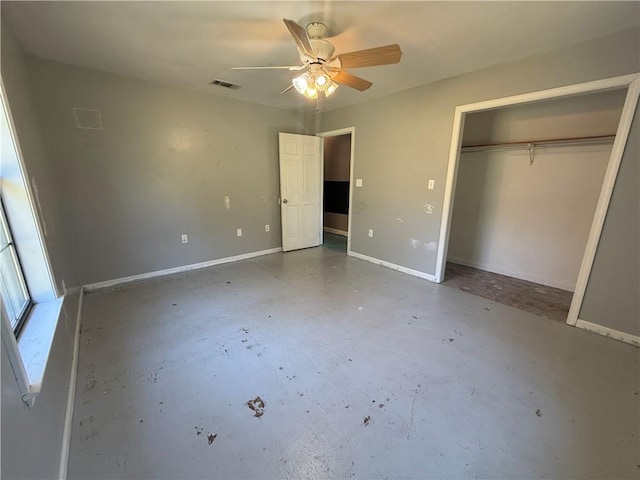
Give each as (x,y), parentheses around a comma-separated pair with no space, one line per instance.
(558,142)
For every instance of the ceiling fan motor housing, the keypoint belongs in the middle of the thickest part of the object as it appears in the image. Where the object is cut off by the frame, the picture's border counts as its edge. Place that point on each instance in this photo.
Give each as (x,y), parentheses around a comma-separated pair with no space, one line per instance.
(322,48)
(316,30)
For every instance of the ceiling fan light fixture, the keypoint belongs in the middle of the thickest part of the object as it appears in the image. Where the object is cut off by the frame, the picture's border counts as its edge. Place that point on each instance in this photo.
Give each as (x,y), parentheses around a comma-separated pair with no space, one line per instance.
(311,93)
(321,81)
(332,87)
(302,83)
(310,83)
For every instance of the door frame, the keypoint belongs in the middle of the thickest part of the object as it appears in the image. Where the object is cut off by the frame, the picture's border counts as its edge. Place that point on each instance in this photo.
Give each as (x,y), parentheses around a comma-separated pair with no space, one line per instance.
(337,133)
(632,83)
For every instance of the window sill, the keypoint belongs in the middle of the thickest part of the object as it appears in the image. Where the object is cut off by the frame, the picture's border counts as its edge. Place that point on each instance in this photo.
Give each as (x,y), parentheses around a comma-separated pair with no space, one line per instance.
(35,344)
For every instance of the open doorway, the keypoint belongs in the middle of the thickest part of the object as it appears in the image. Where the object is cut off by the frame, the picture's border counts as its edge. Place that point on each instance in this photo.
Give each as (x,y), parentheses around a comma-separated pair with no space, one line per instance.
(337,159)
(631,85)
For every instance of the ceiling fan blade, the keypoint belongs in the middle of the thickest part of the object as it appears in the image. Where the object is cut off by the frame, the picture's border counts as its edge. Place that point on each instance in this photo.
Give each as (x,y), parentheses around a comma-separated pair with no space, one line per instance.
(278,67)
(345,78)
(371,57)
(286,89)
(301,38)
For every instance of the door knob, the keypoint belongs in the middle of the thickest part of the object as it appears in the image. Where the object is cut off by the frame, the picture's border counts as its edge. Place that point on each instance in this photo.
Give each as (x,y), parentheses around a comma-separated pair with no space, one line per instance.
(284,201)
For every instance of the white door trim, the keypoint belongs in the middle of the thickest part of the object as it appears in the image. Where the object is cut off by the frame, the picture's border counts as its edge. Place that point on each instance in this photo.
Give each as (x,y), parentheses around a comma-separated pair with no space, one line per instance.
(335,133)
(632,82)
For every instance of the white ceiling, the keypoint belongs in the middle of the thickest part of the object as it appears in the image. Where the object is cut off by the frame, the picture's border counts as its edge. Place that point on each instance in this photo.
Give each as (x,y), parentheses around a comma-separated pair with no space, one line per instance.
(189,43)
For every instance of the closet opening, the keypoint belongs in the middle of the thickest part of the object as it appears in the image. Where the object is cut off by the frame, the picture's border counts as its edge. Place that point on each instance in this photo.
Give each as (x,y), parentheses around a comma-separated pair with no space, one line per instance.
(528,186)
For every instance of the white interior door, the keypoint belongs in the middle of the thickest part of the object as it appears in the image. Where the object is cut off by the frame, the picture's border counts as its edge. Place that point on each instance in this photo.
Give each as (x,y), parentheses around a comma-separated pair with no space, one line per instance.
(300,191)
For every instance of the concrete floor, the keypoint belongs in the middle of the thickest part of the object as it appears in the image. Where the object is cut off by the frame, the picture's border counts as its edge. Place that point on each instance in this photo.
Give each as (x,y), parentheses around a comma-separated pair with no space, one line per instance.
(364,373)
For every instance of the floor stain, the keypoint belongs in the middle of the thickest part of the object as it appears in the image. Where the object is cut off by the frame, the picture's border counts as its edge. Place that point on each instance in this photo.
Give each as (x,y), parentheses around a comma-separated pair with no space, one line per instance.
(257,405)
(531,297)
(538,412)
(91,380)
(211,438)
(366,421)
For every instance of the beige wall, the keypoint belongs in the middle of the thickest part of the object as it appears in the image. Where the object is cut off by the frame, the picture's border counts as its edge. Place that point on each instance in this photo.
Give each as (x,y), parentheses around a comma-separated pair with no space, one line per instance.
(337,155)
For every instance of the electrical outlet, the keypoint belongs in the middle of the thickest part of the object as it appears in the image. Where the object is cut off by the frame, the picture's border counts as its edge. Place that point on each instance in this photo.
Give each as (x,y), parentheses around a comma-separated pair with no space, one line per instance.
(432,183)
(184,238)
(239,232)
(371,233)
(358,182)
(267,228)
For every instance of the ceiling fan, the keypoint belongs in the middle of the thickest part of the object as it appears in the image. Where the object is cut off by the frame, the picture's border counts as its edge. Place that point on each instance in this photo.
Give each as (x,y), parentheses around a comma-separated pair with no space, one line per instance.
(324,70)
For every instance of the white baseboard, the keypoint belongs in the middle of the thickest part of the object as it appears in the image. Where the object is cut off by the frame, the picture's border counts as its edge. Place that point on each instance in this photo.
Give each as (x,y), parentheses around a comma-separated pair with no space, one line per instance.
(393,266)
(169,271)
(609,332)
(522,276)
(71,395)
(335,231)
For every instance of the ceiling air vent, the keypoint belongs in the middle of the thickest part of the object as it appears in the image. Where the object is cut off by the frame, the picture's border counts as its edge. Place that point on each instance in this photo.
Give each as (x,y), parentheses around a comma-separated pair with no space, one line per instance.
(222,83)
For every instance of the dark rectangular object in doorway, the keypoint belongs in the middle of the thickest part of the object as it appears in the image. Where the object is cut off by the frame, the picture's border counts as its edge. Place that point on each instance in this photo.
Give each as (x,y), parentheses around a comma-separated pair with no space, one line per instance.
(336,197)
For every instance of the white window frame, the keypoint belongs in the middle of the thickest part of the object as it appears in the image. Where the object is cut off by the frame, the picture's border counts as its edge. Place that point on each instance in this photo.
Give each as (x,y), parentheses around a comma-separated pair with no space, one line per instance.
(29,354)
(17,321)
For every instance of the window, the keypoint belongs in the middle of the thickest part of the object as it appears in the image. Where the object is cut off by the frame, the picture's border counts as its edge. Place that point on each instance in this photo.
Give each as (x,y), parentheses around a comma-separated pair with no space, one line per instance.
(12,285)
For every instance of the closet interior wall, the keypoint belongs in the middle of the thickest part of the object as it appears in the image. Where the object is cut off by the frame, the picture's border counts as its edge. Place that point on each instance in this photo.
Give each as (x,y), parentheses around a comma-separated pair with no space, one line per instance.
(524,205)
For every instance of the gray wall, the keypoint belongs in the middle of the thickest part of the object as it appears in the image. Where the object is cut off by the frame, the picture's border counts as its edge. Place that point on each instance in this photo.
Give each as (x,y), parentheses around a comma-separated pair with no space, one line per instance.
(32,436)
(403,140)
(160,167)
(613,291)
(17,83)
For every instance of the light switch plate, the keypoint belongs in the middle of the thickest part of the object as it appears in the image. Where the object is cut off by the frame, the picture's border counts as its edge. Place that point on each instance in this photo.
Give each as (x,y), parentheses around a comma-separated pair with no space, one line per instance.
(431,183)
(358,182)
